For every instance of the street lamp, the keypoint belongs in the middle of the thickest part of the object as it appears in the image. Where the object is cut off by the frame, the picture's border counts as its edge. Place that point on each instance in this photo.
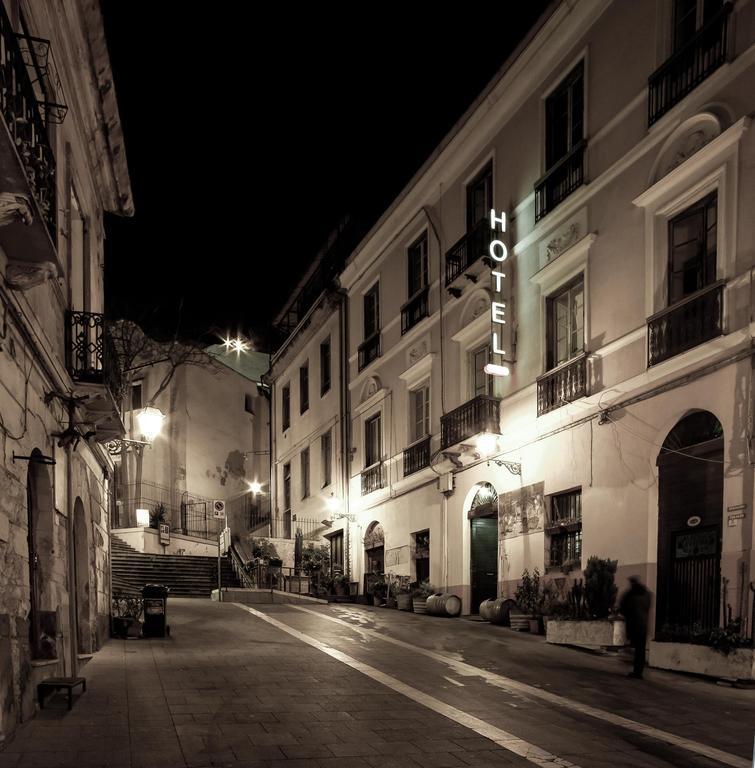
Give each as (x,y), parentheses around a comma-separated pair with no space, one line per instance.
(487,444)
(150,421)
(255,487)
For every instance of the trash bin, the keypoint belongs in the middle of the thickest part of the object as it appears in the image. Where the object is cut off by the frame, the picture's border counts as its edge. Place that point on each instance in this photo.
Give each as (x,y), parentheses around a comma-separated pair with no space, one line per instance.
(155,598)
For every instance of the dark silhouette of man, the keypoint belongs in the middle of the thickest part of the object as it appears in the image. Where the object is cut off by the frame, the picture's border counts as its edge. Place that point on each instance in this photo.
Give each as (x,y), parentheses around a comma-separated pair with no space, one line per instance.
(635,607)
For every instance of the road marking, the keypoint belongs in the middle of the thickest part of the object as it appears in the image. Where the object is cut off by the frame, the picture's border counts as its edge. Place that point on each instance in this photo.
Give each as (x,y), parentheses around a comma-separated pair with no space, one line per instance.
(455,682)
(513,686)
(508,741)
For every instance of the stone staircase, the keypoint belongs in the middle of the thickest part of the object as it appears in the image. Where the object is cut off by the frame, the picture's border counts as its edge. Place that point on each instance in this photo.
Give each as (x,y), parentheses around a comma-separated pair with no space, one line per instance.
(185,575)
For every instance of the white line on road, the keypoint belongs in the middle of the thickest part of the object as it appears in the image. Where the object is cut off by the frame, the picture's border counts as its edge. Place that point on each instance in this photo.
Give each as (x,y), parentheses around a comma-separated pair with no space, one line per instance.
(508,741)
(455,682)
(514,686)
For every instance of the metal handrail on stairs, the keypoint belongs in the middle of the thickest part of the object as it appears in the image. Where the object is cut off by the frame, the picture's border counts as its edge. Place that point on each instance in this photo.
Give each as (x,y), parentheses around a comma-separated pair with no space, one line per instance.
(239,569)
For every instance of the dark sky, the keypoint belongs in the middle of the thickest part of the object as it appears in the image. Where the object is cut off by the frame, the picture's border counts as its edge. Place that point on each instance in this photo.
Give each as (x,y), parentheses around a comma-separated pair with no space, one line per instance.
(250,135)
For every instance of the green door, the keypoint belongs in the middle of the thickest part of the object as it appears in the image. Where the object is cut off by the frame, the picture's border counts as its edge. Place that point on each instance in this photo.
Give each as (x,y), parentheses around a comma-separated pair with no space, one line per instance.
(484,565)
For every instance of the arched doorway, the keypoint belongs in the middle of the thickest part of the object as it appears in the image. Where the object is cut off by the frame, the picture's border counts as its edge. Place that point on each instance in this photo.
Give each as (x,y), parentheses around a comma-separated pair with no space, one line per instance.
(690,511)
(81,563)
(483,517)
(39,500)
(374,555)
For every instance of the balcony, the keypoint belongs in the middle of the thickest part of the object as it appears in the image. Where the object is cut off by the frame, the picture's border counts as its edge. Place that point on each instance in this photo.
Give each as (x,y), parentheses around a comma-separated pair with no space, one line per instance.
(564,384)
(481,414)
(414,310)
(686,324)
(689,66)
(373,478)
(91,361)
(369,350)
(468,250)
(417,456)
(560,181)
(27,164)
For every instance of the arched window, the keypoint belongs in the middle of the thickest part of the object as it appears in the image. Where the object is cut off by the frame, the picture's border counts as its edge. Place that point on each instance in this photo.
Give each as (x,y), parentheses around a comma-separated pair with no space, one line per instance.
(485,502)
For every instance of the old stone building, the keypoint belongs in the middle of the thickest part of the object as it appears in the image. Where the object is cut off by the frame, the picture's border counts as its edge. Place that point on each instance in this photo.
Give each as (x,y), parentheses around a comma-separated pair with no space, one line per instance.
(62,164)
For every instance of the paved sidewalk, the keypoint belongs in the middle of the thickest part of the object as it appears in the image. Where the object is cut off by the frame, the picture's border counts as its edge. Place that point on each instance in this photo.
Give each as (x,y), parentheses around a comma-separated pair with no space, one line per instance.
(227,689)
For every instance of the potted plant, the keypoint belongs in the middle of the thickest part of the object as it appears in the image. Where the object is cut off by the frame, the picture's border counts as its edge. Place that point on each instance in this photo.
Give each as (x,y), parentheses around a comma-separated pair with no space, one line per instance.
(527,597)
(403,593)
(157,516)
(420,593)
(341,584)
(126,612)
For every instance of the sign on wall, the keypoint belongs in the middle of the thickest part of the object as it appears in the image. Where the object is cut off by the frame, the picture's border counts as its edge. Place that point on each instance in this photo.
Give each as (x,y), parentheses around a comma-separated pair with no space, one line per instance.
(501,340)
(522,511)
(164,533)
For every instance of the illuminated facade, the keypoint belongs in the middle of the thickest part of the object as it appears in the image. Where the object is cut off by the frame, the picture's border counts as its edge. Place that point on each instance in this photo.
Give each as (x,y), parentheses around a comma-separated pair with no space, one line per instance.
(617,142)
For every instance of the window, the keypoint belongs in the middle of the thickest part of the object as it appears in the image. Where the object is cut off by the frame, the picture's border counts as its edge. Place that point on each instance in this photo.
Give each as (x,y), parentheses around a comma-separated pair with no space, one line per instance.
(287,487)
(565,529)
(326,458)
(566,323)
(371,312)
(286,407)
(304,387)
(480,197)
(372,442)
(136,396)
(482,384)
(248,403)
(417,264)
(325,366)
(336,551)
(692,249)
(564,115)
(690,16)
(419,413)
(304,459)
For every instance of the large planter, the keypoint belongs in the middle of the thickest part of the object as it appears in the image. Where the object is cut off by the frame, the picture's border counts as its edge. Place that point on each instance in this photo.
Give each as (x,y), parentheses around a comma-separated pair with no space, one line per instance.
(404,602)
(703,660)
(419,605)
(600,633)
(519,621)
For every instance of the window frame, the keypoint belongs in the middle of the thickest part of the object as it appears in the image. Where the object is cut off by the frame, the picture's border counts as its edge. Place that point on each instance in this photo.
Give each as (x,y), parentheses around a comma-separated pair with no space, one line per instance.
(137,385)
(304,470)
(576,72)
(326,457)
(551,336)
(375,418)
(286,406)
(565,533)
(472,371)
(286,478)
(483,176)
(374,290)
(304,387)
(423,387)
(424,270)
(325,366)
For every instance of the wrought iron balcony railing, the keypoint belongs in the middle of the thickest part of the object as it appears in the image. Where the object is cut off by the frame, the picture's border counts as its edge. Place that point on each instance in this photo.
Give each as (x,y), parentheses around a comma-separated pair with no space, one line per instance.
(414,310)
(560,180)
(472,246)
(417,456)
(480,414)
(90,353)
(562,385)
(373,478)
(689,66)
(369,350)
(23,118)
(686,324)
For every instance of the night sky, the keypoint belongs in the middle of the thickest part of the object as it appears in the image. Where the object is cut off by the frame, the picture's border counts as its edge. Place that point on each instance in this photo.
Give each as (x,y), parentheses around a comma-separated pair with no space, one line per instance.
(250,136)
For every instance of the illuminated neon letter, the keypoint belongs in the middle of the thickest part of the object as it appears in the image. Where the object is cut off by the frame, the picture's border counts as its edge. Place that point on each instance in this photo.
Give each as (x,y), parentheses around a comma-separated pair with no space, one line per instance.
(504,251)
(498,280)
(498,219)
(498,310)
(496,347)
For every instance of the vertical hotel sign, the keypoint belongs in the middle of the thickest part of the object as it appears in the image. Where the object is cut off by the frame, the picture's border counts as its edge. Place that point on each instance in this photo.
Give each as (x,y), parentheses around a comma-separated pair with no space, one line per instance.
(500,319)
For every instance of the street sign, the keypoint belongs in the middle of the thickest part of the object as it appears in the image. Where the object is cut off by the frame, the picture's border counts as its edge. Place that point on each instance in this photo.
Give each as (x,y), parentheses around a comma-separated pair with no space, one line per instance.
(164,533)
(218,508)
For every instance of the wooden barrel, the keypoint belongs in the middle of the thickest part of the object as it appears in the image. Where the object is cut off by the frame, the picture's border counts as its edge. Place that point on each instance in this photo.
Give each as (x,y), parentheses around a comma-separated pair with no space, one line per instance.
(500,611)
(486,609)
(444,604)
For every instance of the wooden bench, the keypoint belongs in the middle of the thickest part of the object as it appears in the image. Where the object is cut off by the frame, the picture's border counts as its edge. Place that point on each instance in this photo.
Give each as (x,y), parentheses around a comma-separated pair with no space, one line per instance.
(57,684)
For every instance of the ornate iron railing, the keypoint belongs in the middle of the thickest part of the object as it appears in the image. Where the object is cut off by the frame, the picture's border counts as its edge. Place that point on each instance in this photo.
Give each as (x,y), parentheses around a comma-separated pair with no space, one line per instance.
(25,123)
(692,321)
(689,66)
(562,385)
(373,478)
(90,352)
(472,246)
(480,414)
(369,350)
(414,310)
(560,180)
(417,456)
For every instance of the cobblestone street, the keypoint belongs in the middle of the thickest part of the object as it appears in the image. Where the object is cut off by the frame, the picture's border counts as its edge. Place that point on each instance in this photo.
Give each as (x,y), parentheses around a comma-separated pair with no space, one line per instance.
(319,686)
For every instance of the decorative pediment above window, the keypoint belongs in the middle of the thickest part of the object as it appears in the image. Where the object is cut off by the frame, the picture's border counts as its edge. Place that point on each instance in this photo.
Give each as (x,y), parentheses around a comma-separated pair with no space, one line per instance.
(688,139)
(419,371)
(568,264)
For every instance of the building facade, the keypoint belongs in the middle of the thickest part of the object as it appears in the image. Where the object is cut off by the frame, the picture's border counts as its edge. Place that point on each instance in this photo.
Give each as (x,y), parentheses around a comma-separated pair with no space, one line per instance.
(585,226)
(63,165)
(212,444)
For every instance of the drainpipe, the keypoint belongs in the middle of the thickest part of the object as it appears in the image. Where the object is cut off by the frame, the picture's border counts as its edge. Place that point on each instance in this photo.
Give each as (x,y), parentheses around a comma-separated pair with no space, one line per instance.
(73,624)
(343,340)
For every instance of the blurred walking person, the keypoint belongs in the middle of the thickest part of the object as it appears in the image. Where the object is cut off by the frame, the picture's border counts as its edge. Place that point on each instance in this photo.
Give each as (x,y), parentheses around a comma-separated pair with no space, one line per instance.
(635,608)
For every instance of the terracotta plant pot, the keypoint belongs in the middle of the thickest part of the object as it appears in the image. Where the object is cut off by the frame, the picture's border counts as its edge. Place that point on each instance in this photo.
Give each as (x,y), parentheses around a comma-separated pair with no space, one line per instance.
(404,602)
